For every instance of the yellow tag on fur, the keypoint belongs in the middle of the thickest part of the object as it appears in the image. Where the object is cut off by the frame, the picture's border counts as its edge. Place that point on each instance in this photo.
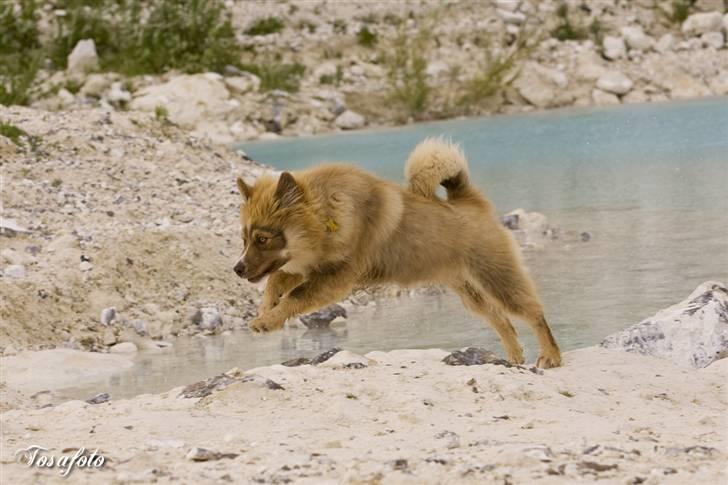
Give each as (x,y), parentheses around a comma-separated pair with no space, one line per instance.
(331,225)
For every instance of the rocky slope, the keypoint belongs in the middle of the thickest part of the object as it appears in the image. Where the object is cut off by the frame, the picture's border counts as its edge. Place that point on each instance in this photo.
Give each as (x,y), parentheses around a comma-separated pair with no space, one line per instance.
(480,57)
(124,227)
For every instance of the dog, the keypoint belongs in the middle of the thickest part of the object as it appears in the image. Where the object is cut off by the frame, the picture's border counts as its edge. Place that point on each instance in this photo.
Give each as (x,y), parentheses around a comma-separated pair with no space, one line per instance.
(319,233)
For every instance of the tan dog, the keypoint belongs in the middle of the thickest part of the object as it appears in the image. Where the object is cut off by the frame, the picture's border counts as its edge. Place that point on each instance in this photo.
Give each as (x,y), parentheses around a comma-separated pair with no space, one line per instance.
(321,232)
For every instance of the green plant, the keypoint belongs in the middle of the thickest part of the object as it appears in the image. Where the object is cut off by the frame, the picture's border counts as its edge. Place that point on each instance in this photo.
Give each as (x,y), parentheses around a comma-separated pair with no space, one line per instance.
(161,113)
(12,132)
(332,78)
(18,29)
(406,71)
(596,30)
(566,30)
(366,37)
(17,73)
(190,35)
(286,77)
(491,79)
(681,10)
(265,26)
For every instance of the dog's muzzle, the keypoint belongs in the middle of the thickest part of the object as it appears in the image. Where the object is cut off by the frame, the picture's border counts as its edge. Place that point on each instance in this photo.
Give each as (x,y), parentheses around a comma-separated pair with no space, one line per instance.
(239,269)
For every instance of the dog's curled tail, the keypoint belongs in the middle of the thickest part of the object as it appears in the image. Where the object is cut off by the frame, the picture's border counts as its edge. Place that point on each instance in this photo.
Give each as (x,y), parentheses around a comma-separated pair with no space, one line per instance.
(435,162)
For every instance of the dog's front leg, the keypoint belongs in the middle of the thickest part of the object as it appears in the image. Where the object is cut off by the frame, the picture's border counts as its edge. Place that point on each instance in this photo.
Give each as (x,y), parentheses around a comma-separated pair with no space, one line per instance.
(279,283)
(315,293)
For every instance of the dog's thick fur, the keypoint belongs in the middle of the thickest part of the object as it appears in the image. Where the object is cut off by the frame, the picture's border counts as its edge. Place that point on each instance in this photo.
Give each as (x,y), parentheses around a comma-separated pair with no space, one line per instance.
(321,232)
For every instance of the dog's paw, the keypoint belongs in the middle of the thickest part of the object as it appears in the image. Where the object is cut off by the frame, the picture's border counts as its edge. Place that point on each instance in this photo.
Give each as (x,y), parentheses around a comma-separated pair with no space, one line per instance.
(548,361)
(265,323)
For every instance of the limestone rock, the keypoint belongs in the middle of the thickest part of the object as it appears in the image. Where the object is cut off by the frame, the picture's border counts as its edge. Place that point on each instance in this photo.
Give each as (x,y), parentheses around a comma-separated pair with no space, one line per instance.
(615,82)
(245,83)
(83,57)
(700,23)
(542,86)
(614,47)
(636,39)
(350,120)
(601,98)
(188,99)
(692,333)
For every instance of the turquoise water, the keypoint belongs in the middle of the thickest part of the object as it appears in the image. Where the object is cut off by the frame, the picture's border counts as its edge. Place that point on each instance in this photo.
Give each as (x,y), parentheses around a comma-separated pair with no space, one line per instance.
(649,182)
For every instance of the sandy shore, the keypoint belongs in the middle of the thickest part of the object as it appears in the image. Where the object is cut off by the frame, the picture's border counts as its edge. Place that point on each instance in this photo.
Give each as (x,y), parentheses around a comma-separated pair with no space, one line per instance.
(401,417)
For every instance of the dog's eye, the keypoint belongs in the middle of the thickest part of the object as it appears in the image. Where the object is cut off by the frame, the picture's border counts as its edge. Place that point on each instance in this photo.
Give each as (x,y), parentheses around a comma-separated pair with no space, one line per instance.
(261,239)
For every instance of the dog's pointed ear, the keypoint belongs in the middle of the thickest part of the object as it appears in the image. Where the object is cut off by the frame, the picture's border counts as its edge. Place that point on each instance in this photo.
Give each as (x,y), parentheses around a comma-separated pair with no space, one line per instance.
(288,191)
(245,189)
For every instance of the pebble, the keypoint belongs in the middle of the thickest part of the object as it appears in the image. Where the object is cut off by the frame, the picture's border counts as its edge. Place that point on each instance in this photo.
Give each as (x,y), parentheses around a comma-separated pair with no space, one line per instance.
(85,266)
(203,454)
(108,315)
(99,398)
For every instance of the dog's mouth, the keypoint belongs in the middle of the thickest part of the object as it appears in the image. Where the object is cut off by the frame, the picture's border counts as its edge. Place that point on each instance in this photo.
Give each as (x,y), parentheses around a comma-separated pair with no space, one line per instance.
(274,266)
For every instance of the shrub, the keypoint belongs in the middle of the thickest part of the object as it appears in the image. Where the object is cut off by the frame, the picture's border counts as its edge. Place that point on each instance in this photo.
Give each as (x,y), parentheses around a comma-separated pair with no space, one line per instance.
(406,71)
(286,77)
(18,30)
(12,132)
(190,35)
(565,30)
(681,10)
(265,26)
(366,37)
(17,73)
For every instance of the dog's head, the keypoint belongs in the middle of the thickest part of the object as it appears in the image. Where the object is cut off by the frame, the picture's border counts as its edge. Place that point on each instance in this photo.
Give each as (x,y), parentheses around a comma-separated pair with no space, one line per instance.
(274,218)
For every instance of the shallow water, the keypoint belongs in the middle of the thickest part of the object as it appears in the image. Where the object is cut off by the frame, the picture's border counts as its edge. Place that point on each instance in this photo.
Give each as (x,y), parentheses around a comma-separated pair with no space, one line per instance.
(649,182)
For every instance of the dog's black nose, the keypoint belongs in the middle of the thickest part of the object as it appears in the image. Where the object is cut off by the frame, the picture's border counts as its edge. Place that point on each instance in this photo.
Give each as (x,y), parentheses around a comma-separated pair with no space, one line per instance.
(239,269)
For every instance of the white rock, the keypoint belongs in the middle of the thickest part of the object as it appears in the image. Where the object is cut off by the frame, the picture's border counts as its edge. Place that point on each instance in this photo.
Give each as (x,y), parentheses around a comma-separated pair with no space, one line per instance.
(513,18)
(712,39)
(83,58)
(719,85)
(85,266)
(345,358)
(123,348)
(614,47)
(16,257)
(14,271)
(189,99)
(117,94)
(11,227)
(108,315)
(210,318)
(243,84)
(601,98)
(350,120)
(636,39)
(615,82)
(509,5)
(725,24)
(541,86)
(665,43)
(589,66)
(692,333)
(700,23)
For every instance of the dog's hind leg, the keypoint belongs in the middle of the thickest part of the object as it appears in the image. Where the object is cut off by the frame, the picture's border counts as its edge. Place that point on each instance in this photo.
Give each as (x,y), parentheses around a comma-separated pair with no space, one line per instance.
(475,300)
(512,289)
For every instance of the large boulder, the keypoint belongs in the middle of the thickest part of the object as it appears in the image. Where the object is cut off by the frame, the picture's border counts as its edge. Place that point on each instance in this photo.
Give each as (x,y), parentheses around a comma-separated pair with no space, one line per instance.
(83,57)
(636,39)
(693,333)
(188,99)
(614,47)
(350,120)
(543,87)
(615,82)
(700,23)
